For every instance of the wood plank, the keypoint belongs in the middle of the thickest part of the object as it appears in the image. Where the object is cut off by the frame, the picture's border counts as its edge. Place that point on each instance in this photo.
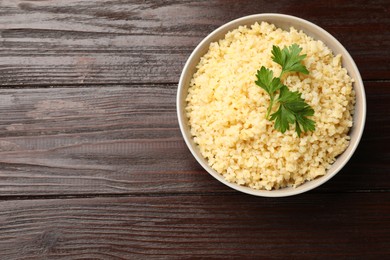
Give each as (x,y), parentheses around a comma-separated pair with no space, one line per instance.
(110,41)
(179,227)
(94,140)
(126,140)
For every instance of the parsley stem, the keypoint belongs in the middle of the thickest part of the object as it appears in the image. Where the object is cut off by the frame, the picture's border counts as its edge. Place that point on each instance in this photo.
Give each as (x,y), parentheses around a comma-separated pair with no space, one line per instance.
(281,73)
(270,107)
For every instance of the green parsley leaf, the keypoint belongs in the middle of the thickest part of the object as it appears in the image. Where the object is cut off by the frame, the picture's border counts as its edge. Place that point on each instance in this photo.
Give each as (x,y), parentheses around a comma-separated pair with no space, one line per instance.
(283,116)
(293,109)
(289,59)
(266,80)
(304,122)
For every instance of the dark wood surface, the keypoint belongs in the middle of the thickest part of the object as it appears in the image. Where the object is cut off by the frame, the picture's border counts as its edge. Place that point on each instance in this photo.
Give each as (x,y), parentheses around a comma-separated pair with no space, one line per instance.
(93,165)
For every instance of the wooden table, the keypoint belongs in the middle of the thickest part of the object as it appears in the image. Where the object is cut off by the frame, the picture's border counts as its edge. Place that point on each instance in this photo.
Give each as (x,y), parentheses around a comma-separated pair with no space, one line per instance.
(92,162)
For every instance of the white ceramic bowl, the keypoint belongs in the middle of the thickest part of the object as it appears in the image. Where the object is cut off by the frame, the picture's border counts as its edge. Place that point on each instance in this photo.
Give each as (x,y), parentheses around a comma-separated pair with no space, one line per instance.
(284,22)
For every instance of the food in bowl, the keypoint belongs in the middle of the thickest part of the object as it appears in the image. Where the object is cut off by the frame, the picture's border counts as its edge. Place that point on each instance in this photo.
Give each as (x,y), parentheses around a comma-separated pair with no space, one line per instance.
(226,110)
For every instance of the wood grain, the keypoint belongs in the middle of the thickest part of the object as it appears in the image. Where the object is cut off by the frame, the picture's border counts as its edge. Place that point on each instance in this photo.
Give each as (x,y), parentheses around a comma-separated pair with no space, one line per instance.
(110,41)
(309,226)
(125,140)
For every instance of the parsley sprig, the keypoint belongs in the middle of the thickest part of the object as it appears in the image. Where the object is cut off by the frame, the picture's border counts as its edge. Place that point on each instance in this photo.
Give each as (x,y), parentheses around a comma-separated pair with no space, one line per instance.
(292,108)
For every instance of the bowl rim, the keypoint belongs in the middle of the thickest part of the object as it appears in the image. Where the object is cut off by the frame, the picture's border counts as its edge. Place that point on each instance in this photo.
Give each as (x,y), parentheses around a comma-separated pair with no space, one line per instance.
(288,191)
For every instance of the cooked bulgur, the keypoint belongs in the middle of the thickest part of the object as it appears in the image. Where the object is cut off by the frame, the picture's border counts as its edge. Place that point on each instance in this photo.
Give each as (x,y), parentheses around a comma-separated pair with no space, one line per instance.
(226,109)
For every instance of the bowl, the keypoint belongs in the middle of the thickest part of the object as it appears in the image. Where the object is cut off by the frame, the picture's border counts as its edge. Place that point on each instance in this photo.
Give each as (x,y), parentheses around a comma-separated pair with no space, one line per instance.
(284,22)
